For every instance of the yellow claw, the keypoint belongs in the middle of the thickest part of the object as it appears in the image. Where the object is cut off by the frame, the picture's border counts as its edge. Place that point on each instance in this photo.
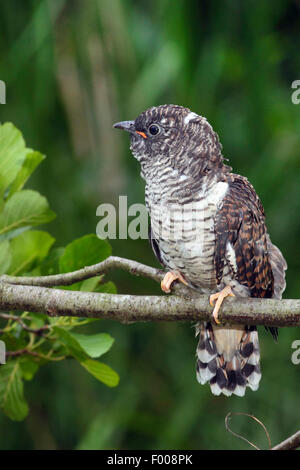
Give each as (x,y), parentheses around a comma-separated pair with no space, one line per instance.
(219,297)
(168,280)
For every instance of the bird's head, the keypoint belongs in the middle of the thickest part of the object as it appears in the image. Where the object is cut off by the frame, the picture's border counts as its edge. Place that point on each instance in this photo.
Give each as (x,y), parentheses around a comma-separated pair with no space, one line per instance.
(174,136)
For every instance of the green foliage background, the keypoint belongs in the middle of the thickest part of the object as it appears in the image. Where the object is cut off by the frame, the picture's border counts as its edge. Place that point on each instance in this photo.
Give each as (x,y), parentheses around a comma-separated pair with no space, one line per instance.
(72,69)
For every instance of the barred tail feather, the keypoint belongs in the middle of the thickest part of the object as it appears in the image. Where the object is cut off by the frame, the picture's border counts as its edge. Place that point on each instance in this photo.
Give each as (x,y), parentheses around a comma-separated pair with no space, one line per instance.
(228,358)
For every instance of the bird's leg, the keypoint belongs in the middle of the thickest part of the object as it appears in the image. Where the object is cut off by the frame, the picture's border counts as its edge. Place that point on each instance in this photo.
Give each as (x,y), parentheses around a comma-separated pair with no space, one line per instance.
(168,280)
(219,297)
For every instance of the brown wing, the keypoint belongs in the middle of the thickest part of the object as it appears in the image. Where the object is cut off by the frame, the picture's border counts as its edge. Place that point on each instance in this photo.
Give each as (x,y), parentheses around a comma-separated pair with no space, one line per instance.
(241,222)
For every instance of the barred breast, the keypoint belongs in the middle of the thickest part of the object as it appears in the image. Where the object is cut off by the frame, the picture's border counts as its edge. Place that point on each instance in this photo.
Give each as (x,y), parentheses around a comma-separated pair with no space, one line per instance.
(185,234)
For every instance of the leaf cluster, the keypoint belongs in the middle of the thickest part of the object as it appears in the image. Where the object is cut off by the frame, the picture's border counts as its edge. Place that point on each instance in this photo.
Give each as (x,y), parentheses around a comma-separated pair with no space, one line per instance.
(31,339)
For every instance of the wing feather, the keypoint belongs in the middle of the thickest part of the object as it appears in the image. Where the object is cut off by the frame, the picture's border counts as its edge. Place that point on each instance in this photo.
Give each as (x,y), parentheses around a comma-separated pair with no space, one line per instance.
(241,222)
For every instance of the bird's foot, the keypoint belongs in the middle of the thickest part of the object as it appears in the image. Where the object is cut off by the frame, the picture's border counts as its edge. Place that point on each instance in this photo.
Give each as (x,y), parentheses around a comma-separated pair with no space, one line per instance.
(219,297)
(168,280)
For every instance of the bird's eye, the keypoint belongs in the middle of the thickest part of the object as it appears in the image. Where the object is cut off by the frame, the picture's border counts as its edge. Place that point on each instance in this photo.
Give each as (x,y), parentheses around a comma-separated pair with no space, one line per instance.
(154,129)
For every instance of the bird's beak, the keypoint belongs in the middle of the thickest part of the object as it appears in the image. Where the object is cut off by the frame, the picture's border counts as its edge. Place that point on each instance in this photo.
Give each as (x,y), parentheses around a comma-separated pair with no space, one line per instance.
(125,126)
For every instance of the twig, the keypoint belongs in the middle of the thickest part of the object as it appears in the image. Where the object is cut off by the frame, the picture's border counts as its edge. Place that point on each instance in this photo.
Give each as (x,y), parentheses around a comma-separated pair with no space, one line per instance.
(21,352)
(112,262)
(36,331)
(291,443)
(239,436)
(66,279)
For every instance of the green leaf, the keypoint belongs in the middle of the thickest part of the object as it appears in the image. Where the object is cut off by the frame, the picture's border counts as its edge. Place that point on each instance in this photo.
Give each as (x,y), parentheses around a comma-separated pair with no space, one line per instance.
(5,256)
(94,345)
(12,154)
(101,372)
(32,160)
(82,252)
(70,342)
(13,233)
(13,340)
(107,288)
(89,285)
(50,264)
(93,285)
(38,320)
(29,367)
(28,248)
(78,347)
(25,208)
(12,399)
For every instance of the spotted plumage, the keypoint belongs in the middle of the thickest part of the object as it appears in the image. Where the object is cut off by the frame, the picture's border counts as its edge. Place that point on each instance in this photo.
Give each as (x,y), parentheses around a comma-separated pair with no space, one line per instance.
(207,228)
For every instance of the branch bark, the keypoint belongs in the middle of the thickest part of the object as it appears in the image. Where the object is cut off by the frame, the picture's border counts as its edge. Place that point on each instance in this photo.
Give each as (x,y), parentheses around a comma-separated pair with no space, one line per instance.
(291,443)
(33,294)
(66,279)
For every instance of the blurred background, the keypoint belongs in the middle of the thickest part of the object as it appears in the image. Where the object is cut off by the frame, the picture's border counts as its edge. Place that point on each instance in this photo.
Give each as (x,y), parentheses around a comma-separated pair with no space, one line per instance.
(72,69)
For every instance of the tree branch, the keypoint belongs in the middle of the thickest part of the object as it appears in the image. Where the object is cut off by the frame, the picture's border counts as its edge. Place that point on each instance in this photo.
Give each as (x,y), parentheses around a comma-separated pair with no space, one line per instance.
(291,443)
(66,279)
(31,294)
(131,308)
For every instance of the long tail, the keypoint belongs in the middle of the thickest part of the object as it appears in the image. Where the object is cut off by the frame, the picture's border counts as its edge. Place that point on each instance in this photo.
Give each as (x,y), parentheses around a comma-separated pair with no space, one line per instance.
(228,358)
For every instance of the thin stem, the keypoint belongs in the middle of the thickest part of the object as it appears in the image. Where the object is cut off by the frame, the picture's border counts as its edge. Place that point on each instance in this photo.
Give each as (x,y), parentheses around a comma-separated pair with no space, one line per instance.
(16,318)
